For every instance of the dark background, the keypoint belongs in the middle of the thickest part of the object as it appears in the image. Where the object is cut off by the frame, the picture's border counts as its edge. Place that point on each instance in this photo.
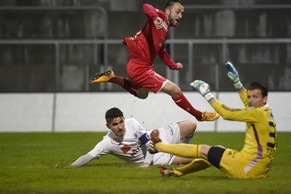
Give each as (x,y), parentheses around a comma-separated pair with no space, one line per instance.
(33,57)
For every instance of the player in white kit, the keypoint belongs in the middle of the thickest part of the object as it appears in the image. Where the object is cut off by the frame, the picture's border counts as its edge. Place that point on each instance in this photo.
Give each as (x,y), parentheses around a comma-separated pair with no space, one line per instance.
(126,139)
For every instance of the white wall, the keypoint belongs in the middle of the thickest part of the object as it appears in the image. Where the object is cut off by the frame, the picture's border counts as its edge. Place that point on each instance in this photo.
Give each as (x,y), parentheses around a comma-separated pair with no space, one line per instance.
(26,112)
(85,111)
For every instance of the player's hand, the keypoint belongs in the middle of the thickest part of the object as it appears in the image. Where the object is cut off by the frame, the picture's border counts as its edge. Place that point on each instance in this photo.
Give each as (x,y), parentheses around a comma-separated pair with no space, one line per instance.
(151,147)
(179,66)
(63,165)
(203,88)
(233,75)
(232,72)
(158,22)
(144,165)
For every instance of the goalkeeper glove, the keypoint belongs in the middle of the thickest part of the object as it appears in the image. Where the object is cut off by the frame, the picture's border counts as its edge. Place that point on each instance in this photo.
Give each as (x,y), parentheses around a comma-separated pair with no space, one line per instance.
(203,88)
(145,140)
(151,147)
(233,75)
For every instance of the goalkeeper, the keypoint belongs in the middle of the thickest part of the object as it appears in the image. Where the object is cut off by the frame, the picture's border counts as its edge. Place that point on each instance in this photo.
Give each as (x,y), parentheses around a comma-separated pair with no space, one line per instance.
(129,141)
(255,158)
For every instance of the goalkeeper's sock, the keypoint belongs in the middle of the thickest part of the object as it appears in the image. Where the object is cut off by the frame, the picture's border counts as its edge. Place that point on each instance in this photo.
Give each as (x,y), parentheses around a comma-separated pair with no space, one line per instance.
(181,149)
(196,165)
(183,103)
(123,82)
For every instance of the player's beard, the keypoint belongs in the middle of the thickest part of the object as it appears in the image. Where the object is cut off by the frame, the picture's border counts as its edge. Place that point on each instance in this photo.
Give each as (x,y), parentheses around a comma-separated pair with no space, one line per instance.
(171,21)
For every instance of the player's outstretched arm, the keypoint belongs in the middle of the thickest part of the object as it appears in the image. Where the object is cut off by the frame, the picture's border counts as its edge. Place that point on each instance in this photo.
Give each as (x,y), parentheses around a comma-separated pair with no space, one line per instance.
(82,161)
(233,75)
(204,89)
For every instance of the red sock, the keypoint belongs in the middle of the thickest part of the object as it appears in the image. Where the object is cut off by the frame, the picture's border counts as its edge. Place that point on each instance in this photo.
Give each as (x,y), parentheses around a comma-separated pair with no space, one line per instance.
(182,102)
(123,82)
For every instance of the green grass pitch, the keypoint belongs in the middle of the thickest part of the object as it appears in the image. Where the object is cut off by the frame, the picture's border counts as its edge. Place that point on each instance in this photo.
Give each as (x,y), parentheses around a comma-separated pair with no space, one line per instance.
(28,165)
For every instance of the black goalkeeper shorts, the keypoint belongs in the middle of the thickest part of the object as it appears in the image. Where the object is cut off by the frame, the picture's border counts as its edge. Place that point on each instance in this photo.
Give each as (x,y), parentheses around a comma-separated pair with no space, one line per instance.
(214,155)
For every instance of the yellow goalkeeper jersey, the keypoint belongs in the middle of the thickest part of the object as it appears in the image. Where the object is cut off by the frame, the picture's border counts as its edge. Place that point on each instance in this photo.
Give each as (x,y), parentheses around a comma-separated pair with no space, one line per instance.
(260,138)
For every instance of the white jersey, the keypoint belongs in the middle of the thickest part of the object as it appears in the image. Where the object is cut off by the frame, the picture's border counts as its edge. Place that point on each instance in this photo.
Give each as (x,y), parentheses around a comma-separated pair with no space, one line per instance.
(128,149)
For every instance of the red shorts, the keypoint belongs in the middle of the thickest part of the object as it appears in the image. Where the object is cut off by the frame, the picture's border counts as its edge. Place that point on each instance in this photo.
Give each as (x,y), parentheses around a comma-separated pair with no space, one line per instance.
(142,75)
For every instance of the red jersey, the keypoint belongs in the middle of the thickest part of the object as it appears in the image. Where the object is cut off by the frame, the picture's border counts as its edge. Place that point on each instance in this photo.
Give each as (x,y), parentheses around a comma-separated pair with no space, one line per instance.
(150,42)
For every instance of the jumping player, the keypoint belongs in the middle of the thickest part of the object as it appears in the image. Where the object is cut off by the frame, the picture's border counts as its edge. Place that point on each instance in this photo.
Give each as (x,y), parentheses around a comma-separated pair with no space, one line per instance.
(126,138)
(255,159)
(143,48)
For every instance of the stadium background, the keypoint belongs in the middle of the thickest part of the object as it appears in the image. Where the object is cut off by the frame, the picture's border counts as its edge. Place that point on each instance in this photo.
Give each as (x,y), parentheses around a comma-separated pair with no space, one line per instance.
(50,48)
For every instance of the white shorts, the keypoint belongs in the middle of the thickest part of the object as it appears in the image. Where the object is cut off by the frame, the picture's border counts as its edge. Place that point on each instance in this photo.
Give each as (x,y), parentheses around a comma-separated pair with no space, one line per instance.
(169,134)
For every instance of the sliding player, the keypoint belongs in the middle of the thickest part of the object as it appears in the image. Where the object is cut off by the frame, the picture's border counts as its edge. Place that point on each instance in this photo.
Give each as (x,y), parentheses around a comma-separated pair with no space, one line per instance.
(126,137)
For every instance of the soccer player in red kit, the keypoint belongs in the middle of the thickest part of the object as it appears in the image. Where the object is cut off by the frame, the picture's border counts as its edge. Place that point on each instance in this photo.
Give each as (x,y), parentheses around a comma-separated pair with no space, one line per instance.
(143,48)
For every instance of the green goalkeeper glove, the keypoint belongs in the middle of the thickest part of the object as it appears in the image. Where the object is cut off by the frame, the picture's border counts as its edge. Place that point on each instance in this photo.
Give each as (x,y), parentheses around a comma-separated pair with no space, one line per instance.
(151,147)
(233,75)
(203,88)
